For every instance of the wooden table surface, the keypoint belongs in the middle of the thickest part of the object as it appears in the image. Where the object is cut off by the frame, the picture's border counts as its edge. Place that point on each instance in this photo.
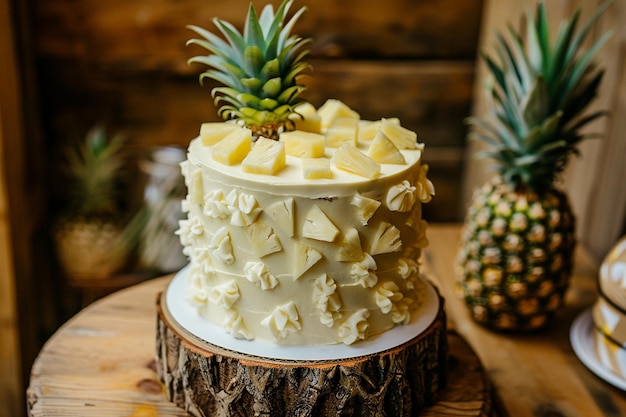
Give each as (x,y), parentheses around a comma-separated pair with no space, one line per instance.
(532,374)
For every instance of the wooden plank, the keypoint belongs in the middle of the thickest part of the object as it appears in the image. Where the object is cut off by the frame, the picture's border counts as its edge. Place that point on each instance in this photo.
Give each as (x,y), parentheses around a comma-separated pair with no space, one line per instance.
(533,374)
(11,382)
(604,194)
(11,356)
(110,353)
(150,36)
(431,98)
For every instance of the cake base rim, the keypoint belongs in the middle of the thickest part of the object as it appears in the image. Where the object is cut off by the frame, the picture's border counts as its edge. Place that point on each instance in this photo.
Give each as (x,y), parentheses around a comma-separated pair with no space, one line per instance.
(187,319)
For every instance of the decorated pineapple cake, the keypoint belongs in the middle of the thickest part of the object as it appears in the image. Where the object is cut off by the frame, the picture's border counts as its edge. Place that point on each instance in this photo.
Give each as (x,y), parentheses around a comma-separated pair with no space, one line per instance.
(303,293)
(298,242)
(303,225)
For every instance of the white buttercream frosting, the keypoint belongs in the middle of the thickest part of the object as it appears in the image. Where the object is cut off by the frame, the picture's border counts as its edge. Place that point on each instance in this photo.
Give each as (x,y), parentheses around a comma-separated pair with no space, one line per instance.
(387,295)
(215,205)
(202,259)
(401,197)
(197,288)
(401,311)
(327,300)
(425,188)
(362,272)
(222,246)
(244,210)
(258,272)
(355,327)
(283,320)
(233,324)
(224,295)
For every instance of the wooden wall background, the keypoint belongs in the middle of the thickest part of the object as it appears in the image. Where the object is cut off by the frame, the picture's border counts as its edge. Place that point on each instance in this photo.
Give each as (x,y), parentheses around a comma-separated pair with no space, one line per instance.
(123,62)
(11,380)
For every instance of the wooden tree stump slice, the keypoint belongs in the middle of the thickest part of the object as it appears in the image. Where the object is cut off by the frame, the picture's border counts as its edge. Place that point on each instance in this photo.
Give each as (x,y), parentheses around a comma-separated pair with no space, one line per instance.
(207,380)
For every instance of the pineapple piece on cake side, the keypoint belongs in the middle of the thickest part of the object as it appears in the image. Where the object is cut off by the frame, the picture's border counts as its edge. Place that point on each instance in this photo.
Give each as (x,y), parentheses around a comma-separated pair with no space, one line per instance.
(515,258)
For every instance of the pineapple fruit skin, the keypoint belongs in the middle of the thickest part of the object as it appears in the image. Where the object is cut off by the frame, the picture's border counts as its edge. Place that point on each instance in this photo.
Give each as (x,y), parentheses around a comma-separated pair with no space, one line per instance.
(516,256)
(89,248)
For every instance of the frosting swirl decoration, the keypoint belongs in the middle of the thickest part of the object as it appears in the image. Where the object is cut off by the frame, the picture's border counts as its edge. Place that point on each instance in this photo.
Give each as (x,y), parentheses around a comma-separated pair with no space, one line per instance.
(215,206)
(233,324)
(258,272)
(401,197)
(283,320)
(327,300)
(222,247)
(362,273)
(387,295)
(355,327)
(225,295)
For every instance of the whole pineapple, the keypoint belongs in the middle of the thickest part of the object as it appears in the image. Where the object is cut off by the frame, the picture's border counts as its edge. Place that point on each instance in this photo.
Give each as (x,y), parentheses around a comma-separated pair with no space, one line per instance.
(259,70)
(90,239)
(515,259)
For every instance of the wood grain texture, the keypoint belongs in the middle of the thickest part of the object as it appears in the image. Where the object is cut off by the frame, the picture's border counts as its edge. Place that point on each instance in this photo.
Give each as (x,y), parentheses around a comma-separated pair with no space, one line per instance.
(430,98)
(124,63)
(17,330)
(102,363)
(11,383)
(537,374)
(142,35)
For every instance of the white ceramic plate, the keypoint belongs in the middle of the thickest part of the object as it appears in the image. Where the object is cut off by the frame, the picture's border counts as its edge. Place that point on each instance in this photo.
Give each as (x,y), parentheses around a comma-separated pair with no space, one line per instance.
(583,337)
(189,319)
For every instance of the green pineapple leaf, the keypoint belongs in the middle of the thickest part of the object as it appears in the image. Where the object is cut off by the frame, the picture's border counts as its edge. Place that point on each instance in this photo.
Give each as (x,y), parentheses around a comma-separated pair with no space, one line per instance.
(259,70)
(538,96)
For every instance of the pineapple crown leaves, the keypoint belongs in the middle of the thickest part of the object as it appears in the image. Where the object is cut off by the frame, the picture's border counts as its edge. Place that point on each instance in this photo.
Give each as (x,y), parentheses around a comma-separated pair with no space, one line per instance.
(94,169)
(258,69)
(538,93)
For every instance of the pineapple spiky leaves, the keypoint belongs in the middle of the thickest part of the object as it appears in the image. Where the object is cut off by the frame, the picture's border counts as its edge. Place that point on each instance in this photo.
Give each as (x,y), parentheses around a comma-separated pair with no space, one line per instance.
(516,252)
(94,171)
(259,70)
